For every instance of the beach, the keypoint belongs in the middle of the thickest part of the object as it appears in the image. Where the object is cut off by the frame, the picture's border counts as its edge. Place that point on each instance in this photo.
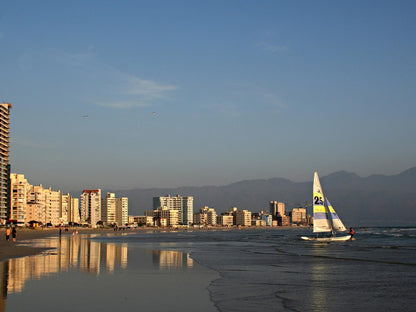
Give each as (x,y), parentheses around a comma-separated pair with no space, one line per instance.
(49,270)
(234,270)
(9,249)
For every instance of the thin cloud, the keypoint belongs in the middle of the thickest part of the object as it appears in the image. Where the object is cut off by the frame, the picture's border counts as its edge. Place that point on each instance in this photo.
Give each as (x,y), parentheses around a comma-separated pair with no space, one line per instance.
(132,91)
(106,86)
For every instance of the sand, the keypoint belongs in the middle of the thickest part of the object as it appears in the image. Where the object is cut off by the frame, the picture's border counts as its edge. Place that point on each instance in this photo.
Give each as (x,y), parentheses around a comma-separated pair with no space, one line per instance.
(10,249)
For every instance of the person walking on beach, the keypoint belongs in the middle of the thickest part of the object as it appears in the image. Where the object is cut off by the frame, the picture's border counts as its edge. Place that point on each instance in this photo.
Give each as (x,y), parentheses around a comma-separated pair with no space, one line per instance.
(14,234)
(8,234)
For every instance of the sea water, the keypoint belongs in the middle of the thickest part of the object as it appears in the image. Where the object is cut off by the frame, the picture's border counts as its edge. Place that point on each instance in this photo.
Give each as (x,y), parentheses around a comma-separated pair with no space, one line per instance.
(217,270)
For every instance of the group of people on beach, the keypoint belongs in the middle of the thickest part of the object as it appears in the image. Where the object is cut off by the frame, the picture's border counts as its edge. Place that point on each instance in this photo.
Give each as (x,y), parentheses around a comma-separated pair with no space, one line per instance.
(11,231)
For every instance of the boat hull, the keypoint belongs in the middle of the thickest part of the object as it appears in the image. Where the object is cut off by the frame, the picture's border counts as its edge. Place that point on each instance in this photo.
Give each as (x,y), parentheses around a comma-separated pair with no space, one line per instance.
(327,239)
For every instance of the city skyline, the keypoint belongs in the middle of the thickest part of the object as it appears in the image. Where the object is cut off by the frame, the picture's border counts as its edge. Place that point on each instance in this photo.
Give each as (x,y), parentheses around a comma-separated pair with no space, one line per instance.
(141,95)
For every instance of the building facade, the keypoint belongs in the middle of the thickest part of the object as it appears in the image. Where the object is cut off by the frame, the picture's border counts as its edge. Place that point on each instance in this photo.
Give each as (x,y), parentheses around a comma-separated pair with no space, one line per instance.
(206,216)
(90,210)
(108,209)
(277,208)
(5,199)
(19,189)
(184,205)
(243,218)
(299,215)
(122,211)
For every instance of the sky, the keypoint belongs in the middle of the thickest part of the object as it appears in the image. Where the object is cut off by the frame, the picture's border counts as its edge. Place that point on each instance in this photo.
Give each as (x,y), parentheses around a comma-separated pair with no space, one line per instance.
(195,93)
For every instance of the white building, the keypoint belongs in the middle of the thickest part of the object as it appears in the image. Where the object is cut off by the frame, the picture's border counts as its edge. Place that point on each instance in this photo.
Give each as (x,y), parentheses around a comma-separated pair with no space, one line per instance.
(90,211)
(108,209)
(206,216)
(243,218)
(122,211)
(184,205)
(19,189)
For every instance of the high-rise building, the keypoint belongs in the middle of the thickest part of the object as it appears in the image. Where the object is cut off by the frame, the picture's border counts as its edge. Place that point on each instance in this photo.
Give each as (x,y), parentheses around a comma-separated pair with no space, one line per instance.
(273,208)
(108,209)
(299,215)
(184,204)
(122,210)
(277,208)
(4,162)
(19,188)
(115,210)
(90,211)
(243,217)
(69,209)
(74,211)
(206,216)
(53,207)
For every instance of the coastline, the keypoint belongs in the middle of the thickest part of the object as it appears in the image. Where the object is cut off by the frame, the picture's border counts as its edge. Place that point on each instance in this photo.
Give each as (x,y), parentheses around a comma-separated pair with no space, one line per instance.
(20,248)
(10,249)
(85,264)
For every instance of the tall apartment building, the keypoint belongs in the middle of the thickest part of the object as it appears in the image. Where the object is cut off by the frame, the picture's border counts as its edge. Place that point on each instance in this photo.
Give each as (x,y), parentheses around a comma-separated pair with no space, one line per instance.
(184,204)
(108,209)
(206,215)
(52,207)
(4,162)
(115,210)
(164,216)
(73,215)
(90,211)
(36,202)
(19,189)
(122,210)
(277,208)
(243,218)
(299,215)
(69,209)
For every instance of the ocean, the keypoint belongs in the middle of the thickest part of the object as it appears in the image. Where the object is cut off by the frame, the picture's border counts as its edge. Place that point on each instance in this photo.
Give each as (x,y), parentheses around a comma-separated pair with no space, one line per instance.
(217,270)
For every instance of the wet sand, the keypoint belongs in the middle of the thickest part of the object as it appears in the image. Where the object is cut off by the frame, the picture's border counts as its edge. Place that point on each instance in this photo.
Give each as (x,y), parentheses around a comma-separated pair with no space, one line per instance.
(83,274)
(10,249)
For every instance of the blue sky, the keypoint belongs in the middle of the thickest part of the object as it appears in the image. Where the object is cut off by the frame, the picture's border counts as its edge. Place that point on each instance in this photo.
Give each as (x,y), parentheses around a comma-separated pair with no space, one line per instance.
(192,93)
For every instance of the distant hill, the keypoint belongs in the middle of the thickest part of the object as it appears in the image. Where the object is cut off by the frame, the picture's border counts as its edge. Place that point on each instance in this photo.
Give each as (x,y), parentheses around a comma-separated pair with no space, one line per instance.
(374,200)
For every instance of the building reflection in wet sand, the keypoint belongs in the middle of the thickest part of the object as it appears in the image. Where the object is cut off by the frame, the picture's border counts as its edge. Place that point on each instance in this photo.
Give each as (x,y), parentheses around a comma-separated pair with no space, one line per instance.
(67,252)
(168,260)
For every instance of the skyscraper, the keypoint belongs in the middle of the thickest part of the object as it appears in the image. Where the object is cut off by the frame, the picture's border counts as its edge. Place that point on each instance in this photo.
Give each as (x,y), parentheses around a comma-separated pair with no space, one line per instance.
(4,162)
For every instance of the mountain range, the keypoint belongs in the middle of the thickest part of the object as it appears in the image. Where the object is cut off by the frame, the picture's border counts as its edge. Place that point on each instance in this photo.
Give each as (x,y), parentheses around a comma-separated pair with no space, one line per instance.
(376,200)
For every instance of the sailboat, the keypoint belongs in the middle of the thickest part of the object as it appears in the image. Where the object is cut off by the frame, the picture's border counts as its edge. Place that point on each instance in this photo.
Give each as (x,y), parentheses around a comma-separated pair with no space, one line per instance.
(325,219)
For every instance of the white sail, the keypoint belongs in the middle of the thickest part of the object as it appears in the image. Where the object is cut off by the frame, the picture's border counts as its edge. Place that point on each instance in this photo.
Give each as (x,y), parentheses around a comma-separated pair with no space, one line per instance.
(337,224)
(321,221)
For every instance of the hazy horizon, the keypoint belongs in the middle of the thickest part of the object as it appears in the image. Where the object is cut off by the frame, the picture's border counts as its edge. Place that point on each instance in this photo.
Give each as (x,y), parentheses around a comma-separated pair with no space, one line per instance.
(178,93)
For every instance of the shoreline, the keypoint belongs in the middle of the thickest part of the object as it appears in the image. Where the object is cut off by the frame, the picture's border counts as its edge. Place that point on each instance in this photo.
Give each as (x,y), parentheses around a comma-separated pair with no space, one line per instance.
(20,248)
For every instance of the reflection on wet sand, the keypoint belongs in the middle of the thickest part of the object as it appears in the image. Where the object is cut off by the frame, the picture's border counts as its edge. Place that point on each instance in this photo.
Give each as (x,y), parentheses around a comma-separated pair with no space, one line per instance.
(168,260)
(67,252)
(75,252)
(318,296)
